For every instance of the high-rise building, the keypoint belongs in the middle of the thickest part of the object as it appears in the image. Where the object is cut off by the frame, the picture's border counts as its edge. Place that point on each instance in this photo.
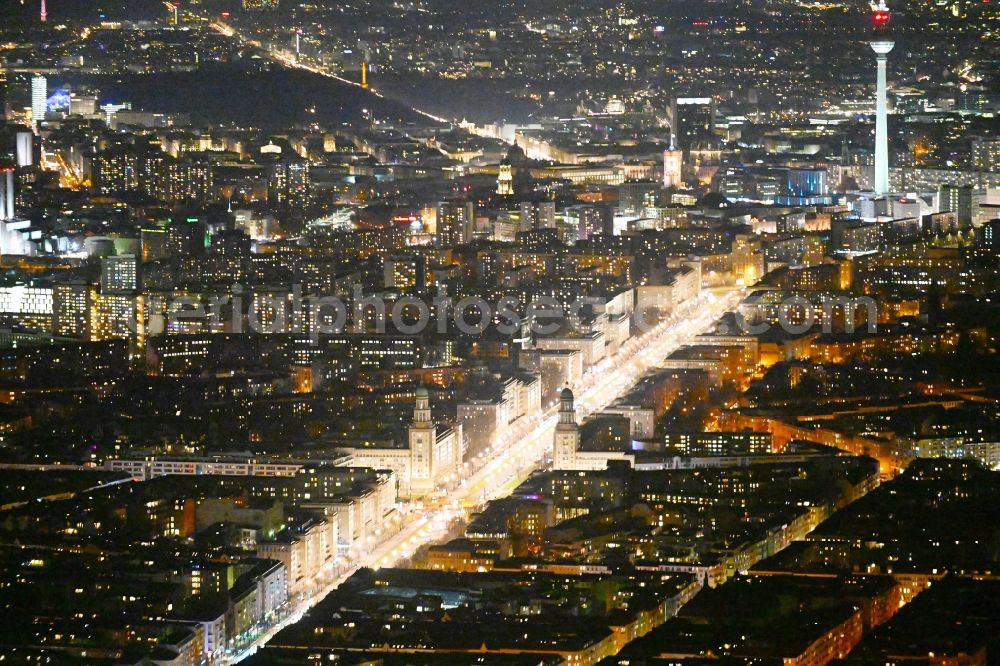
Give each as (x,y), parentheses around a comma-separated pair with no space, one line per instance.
(538,215)
(454,222)
(963,200)
(39,96)
(120,274)
(25,148)
(691,118)
(147,169)
(881,44)
(807,182)
(6,194)
(590,220)
(117,316)
(71,304)
(288,184)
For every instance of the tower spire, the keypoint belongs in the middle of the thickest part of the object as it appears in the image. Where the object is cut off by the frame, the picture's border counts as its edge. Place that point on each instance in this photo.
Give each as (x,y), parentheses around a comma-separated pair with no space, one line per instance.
(567,410)
(44,15)
(881,43)
(567,435)
(422,408)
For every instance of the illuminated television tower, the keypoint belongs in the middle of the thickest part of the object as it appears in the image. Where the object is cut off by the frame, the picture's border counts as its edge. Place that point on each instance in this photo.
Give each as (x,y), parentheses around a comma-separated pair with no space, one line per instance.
(44,15)
(881,44)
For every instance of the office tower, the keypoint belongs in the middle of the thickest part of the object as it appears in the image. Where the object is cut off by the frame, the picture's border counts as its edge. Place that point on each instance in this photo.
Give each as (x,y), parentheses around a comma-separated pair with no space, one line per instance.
(25,146)
(881,44)
(232,243)
(454,222)
(117,316)
(691,118)
(39,96)
(546,214)
(962,200)
(120,274)
(6,194)
(186,180)
(807,182)
(71,310)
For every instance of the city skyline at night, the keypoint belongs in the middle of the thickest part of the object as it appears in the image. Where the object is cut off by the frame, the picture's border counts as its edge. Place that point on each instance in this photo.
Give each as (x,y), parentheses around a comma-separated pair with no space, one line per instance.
(422,333)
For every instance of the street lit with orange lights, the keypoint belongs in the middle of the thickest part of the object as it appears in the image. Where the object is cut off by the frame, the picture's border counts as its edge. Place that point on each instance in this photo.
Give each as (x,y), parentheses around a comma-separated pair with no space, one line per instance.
(519,450)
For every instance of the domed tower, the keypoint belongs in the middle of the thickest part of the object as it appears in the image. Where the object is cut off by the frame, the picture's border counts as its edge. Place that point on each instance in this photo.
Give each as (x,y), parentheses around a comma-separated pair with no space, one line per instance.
(422,406)
(881,43)
(567,437)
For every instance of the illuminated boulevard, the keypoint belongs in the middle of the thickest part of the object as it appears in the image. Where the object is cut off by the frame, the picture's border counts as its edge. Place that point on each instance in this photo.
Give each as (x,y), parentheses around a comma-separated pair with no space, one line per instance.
(516,452)
(519,450)
(291,60)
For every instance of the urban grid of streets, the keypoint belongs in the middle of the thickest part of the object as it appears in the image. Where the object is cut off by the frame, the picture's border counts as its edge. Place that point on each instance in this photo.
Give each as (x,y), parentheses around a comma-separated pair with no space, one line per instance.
(517,452)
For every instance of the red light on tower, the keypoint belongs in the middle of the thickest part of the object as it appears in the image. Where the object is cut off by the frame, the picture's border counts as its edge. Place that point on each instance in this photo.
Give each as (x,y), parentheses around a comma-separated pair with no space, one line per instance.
(880,18)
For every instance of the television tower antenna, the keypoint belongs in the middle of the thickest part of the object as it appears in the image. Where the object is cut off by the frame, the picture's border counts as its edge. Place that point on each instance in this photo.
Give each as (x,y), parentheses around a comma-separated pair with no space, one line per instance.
(881,43)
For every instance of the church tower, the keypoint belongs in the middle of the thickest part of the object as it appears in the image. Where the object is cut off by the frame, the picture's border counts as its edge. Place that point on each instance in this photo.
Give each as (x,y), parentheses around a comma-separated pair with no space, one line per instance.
(505,181)
(422,435)
(567,438)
